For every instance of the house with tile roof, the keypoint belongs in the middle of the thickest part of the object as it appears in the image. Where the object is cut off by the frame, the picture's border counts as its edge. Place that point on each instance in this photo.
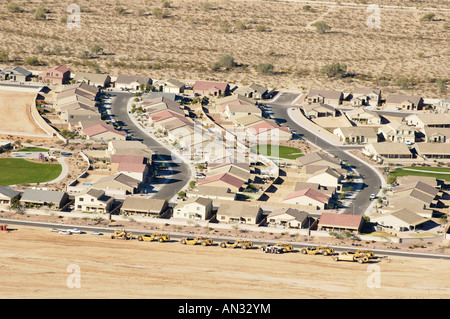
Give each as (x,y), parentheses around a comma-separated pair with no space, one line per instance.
(94,79)
(194,208)
(239,214)
(93,200)
(366,97)
(17,74)
(8,195)
(356,134)
(103,132)
(289,218)
(138,205)
(210,88)
(309,197)
(131,82)
(57,75)
(331,97)
(405,102)
(340,222)
(223,180)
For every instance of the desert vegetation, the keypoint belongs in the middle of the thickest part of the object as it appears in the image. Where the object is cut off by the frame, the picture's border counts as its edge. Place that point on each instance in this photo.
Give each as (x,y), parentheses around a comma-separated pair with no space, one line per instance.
(283,45)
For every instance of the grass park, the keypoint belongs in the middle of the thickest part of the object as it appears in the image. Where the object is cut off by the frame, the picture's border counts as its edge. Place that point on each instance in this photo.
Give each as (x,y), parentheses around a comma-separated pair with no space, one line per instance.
(17,171)
(436,172)
(278,151)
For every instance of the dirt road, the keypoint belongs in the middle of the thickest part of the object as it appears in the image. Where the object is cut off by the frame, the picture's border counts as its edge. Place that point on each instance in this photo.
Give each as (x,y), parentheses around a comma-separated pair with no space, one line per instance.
(37,263)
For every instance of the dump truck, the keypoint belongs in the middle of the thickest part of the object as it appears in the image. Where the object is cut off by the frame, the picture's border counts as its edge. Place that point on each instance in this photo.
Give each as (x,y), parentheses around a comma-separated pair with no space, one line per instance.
(239,243)
(284,248)
(324,250)
(121,234)
(204,241)
(155,236)
(350,256)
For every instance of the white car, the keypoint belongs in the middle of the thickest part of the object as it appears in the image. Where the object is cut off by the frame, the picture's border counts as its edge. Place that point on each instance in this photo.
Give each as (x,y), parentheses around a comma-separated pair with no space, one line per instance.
(96,233)
(54,230)
(65,232)
(75,231)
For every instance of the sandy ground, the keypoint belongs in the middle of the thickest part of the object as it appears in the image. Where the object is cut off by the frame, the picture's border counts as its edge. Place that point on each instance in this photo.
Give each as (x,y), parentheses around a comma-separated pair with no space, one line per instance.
(15,110)
(37,263)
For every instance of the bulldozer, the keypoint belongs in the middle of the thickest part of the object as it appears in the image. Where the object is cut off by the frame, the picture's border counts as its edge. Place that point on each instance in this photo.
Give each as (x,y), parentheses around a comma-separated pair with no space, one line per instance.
(155,236)
(238,243)
(121,234)
(284,248)
(324,250)
(350,256)
(204,241)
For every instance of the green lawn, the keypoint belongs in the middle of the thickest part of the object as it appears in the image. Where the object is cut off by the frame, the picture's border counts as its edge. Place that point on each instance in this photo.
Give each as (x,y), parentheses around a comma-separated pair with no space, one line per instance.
(15,171)
(403,172)
(33,149)
(284,152)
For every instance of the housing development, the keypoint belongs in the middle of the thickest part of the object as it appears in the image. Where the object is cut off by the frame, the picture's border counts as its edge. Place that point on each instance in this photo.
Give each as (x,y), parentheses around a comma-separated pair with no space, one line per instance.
(329,177)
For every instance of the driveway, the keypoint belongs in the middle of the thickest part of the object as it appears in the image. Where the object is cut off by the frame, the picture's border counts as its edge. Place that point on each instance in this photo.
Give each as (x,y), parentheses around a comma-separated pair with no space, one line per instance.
(371,181)
(177,174)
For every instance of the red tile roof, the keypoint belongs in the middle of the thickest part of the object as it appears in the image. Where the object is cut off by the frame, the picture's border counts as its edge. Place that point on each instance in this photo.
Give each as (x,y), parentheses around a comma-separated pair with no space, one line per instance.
(101,128)
(340,220)
(227,178)
(208,85)
(311,193)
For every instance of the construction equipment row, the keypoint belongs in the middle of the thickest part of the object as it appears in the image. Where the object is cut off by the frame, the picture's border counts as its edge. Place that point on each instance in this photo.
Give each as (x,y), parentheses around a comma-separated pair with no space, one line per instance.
(361,255)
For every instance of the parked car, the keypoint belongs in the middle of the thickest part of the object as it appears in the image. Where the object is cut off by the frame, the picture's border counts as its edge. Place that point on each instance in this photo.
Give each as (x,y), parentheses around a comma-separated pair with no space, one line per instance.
(65,232)
(96,233)
(75,231)
(372,196)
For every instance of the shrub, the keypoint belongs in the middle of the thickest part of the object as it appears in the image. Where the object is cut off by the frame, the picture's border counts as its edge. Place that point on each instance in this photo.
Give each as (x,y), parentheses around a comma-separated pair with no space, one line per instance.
(334,69)
(265,68)
(428,17)
(13,7)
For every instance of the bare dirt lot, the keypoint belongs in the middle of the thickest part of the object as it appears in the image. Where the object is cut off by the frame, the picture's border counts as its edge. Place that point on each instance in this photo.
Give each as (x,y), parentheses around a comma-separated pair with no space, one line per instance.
(37,263)
(15,110)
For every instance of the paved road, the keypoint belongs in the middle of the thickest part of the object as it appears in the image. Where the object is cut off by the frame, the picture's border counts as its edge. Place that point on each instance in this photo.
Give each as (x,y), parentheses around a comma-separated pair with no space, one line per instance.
(372,183)
(178,173)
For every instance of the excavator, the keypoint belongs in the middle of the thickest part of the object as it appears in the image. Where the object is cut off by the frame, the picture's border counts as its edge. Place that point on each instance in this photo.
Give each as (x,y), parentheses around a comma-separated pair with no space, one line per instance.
(155,236)
(204,241)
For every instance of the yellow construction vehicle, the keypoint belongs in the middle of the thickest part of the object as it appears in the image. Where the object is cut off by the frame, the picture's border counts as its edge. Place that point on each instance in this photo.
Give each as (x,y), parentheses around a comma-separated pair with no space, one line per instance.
(244,244)
(121,234)
(365,252)
(350,256)
(204,241)
(155,236)
(324,250)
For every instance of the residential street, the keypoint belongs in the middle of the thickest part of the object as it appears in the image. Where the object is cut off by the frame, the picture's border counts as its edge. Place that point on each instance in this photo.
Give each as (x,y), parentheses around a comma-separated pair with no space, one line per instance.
(177,175)
(372,183)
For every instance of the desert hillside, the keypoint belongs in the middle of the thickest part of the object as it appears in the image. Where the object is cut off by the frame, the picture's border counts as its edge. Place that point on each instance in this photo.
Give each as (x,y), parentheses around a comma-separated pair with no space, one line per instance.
(185,40)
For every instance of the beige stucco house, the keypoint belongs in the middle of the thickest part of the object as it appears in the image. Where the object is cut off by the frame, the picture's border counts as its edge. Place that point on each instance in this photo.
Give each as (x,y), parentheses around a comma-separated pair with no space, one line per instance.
(197,208)
(355,134)
(239,213)
(93,200)
(137,205)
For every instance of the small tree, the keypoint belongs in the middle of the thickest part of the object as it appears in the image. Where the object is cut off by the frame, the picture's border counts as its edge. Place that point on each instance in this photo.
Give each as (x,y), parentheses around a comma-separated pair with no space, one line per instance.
(32,61)
(160,13)
(119,10)
(321,27)
(96,49)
